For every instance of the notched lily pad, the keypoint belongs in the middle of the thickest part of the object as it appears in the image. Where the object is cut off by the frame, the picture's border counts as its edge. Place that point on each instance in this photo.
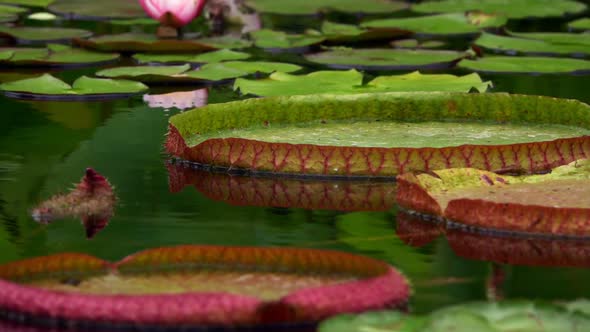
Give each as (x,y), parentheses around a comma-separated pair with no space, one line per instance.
(97,10)
(296,7)
(385,59)
(551,204)
(39,35)
(528,64)
(209,57)
(537,43)
(200,287)
(442,24)
(335,82)
(47,87)
(383,134)
(277,40)
(515,9)
(53,56)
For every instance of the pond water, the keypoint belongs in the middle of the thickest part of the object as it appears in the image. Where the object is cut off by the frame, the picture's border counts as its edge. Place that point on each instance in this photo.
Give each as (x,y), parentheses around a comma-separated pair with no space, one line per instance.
(45,147)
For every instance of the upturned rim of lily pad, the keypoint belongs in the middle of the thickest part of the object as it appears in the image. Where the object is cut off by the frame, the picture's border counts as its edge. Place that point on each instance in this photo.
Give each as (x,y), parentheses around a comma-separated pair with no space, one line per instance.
(309,160)
(375,285)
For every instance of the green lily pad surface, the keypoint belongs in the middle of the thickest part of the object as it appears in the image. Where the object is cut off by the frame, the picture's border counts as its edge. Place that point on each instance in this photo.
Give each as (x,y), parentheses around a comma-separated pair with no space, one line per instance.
(512,9)
(134,22)
(269,39)
(147,73)
(38,34)
(558,43)
(508,316)
(383,58)
(98,10)
(53,56)
(512,64)
(209,57)
(443,24)
(282,84)
(10,13)
(417,44)
(232,69)
(84,88)
(580,24)
(297,7)
(29,3)
(149,43)
(339,32)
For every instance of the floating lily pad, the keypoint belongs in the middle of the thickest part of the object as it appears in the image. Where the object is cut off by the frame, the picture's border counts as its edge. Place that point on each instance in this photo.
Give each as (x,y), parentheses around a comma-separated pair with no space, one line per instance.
(580,24)
(343,195)
(282,84)
(418,44)
(511,64)
(209,57)
(29,3)
(514,9)
(53,56)
(10,13)
(443,24)
(149,43)
(134,22)
(147,73)
(529,45)
(557,38)
(385,59)
(503,316)
(383,134)
(278,40)
(28,35)
(338,32)
(553,204)
(232,69)
(98,10)
(84,88)
(200,287)
(296,7)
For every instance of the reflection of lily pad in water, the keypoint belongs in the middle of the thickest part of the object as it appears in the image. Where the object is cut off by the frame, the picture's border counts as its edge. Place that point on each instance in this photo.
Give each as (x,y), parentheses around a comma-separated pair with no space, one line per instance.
(296,7)
(180,99)
(476,316)
(209,57)
(443,24)
(282,84)
(500,129)
(269,39)
(98,10)
(385,59)
(149,43)
(571,44)
(284,192)
(201,286)
(53,56)
(49,87)
(512,64)
(513,9)
(26,35)
(553,204)
(580,24)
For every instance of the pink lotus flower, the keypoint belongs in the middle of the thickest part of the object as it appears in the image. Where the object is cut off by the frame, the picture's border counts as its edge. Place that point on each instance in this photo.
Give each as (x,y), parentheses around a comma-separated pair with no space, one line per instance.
(176,13)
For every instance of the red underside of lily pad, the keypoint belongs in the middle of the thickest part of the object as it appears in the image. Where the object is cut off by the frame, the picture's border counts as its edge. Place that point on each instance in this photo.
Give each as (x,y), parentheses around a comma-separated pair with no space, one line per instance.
(364,161)
(375,285)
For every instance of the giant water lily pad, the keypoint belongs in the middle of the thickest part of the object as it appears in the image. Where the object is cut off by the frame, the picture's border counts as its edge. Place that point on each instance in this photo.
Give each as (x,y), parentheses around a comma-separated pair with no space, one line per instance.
(383,134)
(209,57)
(443,24)
(53,56)
(554,204)
(504,316)
(28,35)
(580,24)
(514,9)
(385,59)
(296,7)
(529,64)
(149,43)
(84,88)
(531,45)
(282,84)
(337,195)
(98,10)
(200,286)
(278,40)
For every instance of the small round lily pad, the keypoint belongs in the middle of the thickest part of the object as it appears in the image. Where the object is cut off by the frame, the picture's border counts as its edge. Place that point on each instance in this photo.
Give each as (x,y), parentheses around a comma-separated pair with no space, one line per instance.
(35,35)
(297,7)
(209,57)
(53,56)
(515,9)
(385,59)
(442,24)
(537,44)
(280,41)
(529,64)
(47,87)
(98,10)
